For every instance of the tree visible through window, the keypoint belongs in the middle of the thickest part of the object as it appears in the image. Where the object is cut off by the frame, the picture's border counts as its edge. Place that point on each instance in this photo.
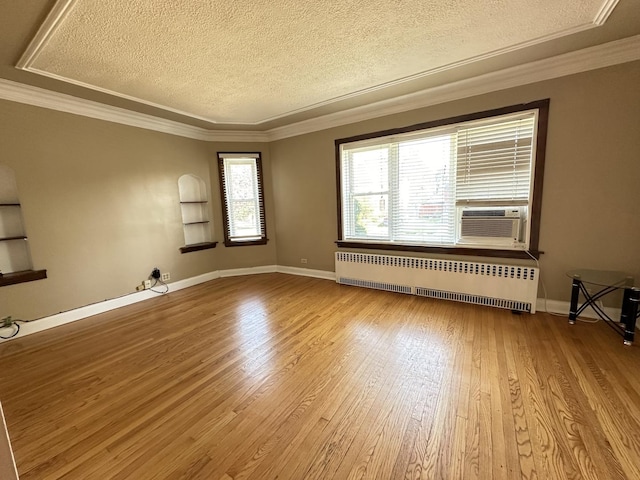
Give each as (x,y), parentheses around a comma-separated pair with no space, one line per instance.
(242,198)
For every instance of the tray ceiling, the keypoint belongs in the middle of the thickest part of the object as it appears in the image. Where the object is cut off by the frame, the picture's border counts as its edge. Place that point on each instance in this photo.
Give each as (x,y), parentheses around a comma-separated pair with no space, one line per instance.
(250,62)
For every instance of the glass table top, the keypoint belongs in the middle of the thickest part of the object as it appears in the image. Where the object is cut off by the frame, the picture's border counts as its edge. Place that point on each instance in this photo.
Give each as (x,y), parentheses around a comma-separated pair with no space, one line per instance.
(604,278)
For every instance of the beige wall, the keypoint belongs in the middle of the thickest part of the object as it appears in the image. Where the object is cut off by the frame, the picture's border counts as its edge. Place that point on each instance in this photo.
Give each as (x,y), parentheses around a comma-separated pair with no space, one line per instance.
(100,207)
(100,200)
(590,215)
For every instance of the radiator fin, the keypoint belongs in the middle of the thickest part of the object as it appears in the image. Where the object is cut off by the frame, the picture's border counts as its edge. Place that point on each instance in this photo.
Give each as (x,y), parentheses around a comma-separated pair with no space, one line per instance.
(476,299)
(390,287)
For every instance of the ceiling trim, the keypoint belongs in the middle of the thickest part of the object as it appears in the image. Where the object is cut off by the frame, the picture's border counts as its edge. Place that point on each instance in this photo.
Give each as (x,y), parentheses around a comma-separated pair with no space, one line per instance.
(605,11)
(601,17)
(39,97)
(44,33)
(62,8)
(600,56)
(58,13)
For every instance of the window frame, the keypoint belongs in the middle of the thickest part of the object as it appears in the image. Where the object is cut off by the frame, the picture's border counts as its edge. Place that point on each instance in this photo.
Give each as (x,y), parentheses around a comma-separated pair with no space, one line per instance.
(228,240)
(539,142)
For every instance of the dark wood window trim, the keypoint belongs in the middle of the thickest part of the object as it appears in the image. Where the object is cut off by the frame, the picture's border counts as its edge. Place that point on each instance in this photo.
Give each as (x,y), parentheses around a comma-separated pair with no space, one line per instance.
(196,247)
(478,252)
(536,199)
(228,242)
(21,277)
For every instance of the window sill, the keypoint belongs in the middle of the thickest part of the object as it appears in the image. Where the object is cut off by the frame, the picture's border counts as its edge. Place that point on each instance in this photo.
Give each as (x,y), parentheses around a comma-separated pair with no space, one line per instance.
(22,277)
(230,243)
(478,252)
(196,247)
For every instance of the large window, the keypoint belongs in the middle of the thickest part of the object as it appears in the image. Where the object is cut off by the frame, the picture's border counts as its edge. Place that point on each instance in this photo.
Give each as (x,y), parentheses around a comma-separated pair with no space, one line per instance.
(242,198)
(467,183)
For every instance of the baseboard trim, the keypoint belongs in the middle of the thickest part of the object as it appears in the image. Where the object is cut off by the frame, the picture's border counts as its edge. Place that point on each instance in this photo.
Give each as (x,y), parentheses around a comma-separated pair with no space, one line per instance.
(45,323)
(562,308)
(236,272)
(69,316)
(307,272)
(62,318)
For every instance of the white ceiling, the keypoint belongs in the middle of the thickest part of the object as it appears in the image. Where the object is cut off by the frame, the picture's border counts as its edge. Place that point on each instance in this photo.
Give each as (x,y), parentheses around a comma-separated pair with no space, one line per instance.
(248,62)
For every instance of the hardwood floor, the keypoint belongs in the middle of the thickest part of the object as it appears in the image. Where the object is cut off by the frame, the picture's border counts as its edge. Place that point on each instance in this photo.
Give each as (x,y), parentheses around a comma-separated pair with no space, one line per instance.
(276,376)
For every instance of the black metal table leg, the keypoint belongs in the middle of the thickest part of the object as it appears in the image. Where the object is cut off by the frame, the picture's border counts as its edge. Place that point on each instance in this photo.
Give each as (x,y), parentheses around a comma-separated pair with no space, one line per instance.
(575,292)
(630,309)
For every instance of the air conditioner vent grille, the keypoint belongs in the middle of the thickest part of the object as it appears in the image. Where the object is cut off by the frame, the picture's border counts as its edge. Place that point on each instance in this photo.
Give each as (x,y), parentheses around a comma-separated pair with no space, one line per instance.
(487,227)
(484,213)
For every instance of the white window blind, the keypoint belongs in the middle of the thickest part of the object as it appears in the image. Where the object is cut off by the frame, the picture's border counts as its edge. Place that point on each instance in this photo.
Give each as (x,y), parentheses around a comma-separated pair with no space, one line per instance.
(401,190)
(409,188)
(494,162)
(241,181)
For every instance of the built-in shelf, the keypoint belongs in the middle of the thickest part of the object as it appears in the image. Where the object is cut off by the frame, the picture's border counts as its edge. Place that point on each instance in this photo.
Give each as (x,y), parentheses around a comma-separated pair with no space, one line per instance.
(16,265)
(197,247)
(194,206)
(22,277)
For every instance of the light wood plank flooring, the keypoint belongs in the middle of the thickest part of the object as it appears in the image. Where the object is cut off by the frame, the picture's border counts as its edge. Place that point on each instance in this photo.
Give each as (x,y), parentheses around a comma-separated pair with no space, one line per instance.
(276,376)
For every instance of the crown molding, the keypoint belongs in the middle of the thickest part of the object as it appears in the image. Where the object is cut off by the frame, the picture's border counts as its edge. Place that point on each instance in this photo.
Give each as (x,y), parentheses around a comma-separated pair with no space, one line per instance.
(254,136)
(605,55)
(39,97)
(605,11)
(43,36)
(601,17)
(57,14)
(63,8)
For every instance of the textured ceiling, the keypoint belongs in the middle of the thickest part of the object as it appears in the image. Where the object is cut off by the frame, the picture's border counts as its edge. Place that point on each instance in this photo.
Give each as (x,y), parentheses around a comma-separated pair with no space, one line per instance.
(251,61)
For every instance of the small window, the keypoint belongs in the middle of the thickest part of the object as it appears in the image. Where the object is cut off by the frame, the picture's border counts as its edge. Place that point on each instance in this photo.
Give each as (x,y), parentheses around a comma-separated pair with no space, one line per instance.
(242,198)
(471,182)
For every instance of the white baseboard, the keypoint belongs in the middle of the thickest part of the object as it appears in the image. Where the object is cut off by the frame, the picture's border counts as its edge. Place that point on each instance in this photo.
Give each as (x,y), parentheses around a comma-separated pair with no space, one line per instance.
(69,316)
(236,272)
(45,323)
(562,308)
(307,272)
(190,282)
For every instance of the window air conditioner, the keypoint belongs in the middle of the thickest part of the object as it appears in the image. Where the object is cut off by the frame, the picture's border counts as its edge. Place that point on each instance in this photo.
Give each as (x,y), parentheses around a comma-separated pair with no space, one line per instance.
(492,226)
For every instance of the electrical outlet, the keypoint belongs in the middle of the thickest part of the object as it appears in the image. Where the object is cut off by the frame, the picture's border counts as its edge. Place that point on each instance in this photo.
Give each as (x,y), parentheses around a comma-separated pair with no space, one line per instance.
(147,284)
(303,260)
(165,277)
(6,322)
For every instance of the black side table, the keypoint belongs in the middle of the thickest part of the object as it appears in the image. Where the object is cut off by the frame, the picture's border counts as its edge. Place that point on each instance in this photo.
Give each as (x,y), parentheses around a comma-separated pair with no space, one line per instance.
(609,281)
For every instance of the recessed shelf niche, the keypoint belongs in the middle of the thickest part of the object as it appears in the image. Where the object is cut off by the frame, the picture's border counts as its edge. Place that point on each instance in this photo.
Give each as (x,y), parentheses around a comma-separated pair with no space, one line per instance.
(194,204)
(15,257)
